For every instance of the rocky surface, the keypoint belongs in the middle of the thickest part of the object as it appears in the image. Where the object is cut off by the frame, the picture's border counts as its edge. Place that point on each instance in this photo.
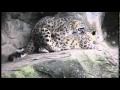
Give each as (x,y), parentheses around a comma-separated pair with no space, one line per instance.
(15,34)
(60,69)
(64,64)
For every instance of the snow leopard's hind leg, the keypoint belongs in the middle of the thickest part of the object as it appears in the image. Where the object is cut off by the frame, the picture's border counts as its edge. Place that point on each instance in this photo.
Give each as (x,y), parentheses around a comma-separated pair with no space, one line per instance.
(49,40)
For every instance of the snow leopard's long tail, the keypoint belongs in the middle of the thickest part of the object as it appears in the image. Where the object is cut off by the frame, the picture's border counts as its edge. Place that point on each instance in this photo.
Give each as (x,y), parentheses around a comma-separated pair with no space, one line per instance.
(22,52)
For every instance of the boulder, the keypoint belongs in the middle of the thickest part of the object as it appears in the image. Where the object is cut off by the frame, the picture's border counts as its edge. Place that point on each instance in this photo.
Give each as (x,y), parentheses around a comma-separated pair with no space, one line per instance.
(64,64)
(15,34)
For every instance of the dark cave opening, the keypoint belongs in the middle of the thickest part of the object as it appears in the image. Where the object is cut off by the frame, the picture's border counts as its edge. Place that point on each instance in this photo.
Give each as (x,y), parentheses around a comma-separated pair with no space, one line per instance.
(111,26)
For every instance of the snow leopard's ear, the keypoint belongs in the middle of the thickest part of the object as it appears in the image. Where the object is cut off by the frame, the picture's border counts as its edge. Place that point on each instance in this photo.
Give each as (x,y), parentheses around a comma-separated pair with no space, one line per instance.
(91,35)
(93,32)
(96,34)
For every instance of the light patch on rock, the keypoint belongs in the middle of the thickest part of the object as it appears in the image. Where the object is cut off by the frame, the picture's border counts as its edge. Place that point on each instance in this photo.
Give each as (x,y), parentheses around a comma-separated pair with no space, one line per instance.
(113,42)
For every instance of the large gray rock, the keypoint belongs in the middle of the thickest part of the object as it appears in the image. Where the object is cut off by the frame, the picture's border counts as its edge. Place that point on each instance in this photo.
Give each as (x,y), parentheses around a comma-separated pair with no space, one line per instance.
(15,34)
(64,64)
(60,69)
(28,17)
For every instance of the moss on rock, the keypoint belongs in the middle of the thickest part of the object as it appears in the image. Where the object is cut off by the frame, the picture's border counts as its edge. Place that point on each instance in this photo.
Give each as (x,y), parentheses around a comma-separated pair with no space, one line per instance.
(23,72)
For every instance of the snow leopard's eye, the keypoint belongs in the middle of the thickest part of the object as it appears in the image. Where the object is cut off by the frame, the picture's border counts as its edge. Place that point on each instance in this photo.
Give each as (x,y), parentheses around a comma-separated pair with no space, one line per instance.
(81,30)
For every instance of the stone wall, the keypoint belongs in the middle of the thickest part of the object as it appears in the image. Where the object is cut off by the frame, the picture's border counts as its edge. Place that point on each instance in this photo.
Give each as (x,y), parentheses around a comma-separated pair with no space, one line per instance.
(15,34)
(16,28)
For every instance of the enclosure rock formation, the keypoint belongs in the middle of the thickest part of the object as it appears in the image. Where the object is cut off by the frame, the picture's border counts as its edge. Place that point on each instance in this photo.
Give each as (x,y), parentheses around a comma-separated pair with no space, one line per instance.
(16,28)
